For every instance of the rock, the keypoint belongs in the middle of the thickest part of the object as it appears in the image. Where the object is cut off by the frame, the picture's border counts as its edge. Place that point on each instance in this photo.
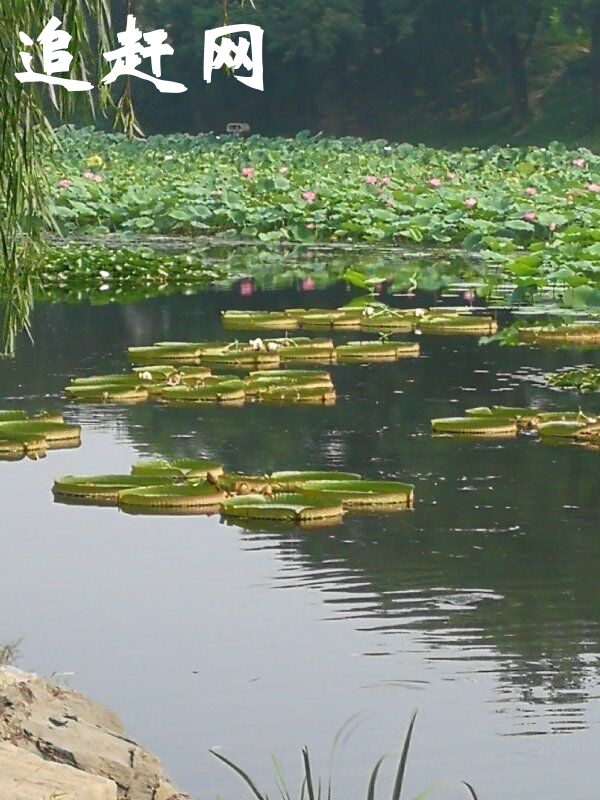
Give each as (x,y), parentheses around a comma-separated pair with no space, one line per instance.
(62,726)
(24,776)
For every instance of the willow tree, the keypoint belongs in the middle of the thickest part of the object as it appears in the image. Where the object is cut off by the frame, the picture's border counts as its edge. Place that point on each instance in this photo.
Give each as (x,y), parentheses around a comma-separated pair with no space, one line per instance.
(26,134)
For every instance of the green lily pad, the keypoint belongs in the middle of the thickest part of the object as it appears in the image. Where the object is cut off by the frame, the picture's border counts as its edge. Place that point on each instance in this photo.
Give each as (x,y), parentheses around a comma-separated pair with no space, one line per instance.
(225,392)
(184,468)
(258,320)
(294,480)
(107,393)
(548,335)
(303,507)
(199,496)
(560,428)
(364,493)
(53,432)
(458,324)
(101,489)
(10,415)
(475,426)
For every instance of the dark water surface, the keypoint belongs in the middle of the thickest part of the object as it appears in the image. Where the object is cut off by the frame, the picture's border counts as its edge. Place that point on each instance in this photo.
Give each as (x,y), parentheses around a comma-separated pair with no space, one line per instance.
(480,607)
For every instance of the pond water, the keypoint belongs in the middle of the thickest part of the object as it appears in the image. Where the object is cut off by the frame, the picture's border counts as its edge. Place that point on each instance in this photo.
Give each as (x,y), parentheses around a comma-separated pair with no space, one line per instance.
(479,607)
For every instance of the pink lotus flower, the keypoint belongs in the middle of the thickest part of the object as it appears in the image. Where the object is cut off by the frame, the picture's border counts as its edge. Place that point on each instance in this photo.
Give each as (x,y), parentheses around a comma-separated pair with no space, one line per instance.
(310,197)
(64,183)
(593,187)
(91,176)
(578,162)
(385,181)
(246,172)
(530,191)
(434,183)
(370,180)
(469,295)
(246,287)
(470,202)
(282,170)
(529,216)
(307,284)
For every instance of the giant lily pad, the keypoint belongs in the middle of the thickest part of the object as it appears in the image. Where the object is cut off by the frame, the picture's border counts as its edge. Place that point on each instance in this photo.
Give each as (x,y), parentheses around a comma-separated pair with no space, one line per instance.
(54,432)
(107,393)
(302,507)
(364,493)
(577,333)
(101,489)
(202,496)
(184,468)
(475,426)
(258,320)
(222,392)
(457,324)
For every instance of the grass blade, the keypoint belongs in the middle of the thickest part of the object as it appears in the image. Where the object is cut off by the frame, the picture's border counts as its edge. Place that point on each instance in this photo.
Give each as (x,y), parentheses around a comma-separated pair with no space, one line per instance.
(309,784)
(281,784)
(240,772)
(373,779)
(403,758)
(472,791)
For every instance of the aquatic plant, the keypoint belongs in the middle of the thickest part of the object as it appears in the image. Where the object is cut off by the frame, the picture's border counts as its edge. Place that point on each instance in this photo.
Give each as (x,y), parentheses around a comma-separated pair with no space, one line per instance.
(322,790)
(498,421)
(21,435)
(584,379)
(198,486)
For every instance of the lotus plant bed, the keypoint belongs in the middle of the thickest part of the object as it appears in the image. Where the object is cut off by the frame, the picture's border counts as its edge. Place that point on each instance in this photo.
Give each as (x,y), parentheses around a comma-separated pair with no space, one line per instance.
(505,421)
(186,385)
(372,317)
(188,486)
(21,435)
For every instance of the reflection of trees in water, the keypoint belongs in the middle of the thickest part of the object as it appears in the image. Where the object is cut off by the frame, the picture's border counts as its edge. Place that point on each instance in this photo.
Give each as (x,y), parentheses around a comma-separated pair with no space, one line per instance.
(514,519)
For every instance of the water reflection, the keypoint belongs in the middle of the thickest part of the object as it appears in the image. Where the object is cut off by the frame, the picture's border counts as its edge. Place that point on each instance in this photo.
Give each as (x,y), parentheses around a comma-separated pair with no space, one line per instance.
(494,572)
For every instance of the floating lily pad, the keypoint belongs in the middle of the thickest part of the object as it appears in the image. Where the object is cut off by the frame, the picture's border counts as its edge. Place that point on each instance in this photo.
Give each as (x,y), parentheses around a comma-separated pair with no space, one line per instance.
(364,493)
(10,415)
(398,321)
(560,428)
(121,379)
(225,392)
(320,355)
(175,352)
(303,507)
(475,426)
(107,393)
(202,496)
(53,432)
(458,324)
(295,480)
(243,358)
(16,446)
(101,489)
(376,351)
(522,416)
(566,416)
(258,320)
(578,333)
(184,468)
(295,394)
